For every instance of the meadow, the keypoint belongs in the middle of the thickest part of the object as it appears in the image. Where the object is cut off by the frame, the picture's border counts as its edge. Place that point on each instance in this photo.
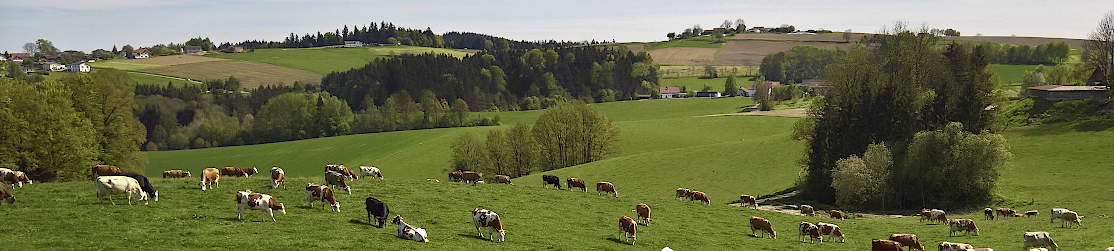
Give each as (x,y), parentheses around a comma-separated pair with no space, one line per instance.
(697,84)
(330,59)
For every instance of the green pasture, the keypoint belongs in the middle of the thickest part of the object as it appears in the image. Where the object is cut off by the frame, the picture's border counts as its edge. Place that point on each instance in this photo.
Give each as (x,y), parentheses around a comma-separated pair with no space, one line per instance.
(695,42)
(697,84)
(325,60)
(152,79)
(1008,74)
(123,64)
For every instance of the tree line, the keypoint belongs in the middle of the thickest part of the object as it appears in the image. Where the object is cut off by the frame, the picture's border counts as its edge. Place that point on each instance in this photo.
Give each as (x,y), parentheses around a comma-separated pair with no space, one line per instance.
(797,64)
(1046,54)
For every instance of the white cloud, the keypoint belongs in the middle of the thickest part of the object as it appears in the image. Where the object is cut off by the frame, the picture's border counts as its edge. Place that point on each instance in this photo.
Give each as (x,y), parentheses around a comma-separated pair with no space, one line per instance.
(80,5)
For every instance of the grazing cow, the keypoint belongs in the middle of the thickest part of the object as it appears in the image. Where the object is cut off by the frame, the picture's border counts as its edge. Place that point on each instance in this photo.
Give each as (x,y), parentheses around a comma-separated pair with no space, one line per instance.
(700,196)
(747,199)
(963,225)
(238,171)
(278,177)
(99,170)
(456,176)
(503,179)
(348,173)
(1030,213)
(143,183)
(988,214)
(811,230)
(13,177)
(884,245)
(575,182)
(175,174)
(938,216)
(1005,212)
(1057,213)
(379,209)
(473,177)
(926,214)
(643,213)
(835,214)
(628,228)
(550,179)
(683,192)
(209,178)
(323,193)
(831,230)
(1038,239)
(337,179)
(488,219)
(762,225)
(370,171)
(606,187)
(433,180)
(6,195)
(406,231)
(109,185)
(255,201)
(951,246)
(908,240)
(1071,218)
(807,210)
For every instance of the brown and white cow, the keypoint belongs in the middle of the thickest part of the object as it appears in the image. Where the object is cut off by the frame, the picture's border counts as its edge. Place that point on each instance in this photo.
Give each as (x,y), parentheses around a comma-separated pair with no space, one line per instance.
(337,179)
(456,176)
(831,230)
(1039,239)
(747,199)
(700,196)
(763,226)
(908,240)
(683,192)
(98,170)
(255,201)
(109,185)
(278,176)
(238,171)
(643,213)
(606,187)
(433,180)
(628,229)
(967,225)
(371,171)
(503,179)
(983,249)
(1057,213)
(1071,218)
(406,231)
(472,177)
(484,218)
(6,195)
(988,214)
(938,216)
(323,193)
(952,246)
(926,214)
(884,245)
(13,178)
(348,173)
(175,174)
(209,178)
(835,214)
(1006,212)
(576,182)
(810,230)
(807,210)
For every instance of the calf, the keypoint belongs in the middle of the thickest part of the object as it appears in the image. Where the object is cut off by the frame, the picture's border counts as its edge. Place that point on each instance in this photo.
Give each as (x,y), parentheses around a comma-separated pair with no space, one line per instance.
(575,182)
(406,231)
(747,199)
(503,179)
(109,185)
(370,171)
(606,187)
(763,226)
(348,174)
(473,177)
(700,196)
(884,245)
(550,179)
(963,225)
(377,208)
(6,195)
(831,230)
(487,219)
(683,192)
(1005,212)
(337,179)
(951,246)
(143,183)
(255,201)
(1057,213)
(835,214)
(99,170)
(988,214)
(1071,218)
(456,176)
(278,177)
(209,178)
(908,240)
(806,210)
(628,229)
(643,213)
(1030,213)
(175,174)
(811,230)
(1039,239)
(323,193)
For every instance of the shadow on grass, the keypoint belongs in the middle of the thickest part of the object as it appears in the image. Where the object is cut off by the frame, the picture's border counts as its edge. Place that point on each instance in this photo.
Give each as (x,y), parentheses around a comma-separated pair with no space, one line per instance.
(360,222)
(617,240)
(473,236)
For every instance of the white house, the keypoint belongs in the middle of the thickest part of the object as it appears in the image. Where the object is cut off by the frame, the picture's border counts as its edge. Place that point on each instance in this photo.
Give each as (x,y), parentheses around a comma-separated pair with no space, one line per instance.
(353,44)
(141,53)
(78,67)
(52,66)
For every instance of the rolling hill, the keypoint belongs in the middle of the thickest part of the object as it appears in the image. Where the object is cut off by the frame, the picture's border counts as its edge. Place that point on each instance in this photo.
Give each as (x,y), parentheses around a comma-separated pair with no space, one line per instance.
(250,74)
(323,60)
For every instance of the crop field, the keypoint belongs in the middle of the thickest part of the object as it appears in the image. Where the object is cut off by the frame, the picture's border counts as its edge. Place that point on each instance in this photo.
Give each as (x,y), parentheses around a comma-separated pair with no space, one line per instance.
(154,62)
(684,56)
(1015,40)
(751,52)
(144,78)
(697,84)
(331,59)
(685,71)
(250,74)
(826,37)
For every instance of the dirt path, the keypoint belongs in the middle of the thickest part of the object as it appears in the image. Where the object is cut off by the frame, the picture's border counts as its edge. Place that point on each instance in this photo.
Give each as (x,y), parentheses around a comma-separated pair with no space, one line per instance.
(792,209)
(793,113)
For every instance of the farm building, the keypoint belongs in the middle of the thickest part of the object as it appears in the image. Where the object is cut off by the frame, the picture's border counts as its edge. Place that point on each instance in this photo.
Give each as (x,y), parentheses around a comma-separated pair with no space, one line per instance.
(671,92)
(18,57)
(353,44)
(1059,92)
(754,87)
(78,67)
(191,49)
(745,92)
(708,94)
(53,66)
(1098,77)
(140,53)
(816,87)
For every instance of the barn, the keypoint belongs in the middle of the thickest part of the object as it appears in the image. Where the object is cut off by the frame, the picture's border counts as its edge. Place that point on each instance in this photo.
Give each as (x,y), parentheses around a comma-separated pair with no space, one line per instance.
(1060,92)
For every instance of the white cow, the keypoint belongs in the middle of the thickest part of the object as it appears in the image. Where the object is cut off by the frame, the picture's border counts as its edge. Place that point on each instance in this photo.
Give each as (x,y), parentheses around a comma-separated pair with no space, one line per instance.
(254,201)
(1057,213)
(370,171)
(109,185)
(484,218)
(952,246)
(406,231)
(1039,239)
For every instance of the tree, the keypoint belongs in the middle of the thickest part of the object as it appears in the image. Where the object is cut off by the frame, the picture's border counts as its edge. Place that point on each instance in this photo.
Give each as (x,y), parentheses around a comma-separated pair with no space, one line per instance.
(573,133)
(16,71)
(431,109)
(710,72)
(107,99)
(938,159)
(522,150)
(671,35)
(858,181)
(847,36)
(1031,79)
(31,48)
(729,87)
(1100,47)
(460,112)
(468,153)
(951,33)
(43,134)
(45,47)
(762,94)
(498,154)
(740,25)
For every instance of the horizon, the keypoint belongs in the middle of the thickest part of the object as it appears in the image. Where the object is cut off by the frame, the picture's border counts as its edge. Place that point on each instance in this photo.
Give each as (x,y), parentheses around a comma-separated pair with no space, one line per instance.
(103,24)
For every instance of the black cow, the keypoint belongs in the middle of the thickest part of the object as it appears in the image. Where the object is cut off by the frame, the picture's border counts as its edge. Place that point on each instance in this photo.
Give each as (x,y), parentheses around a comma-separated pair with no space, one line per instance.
(379,209)
(550,179)
(143,183)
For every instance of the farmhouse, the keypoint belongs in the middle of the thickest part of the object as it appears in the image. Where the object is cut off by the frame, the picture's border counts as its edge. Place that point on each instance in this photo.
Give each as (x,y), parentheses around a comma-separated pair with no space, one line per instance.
(18,57)
(754,87)
(78,67)
(140,53)
(708,94)
(1059,92)
(353,44)
(816,87)
(191,49)
(53,66)
(745,92)
(672,92)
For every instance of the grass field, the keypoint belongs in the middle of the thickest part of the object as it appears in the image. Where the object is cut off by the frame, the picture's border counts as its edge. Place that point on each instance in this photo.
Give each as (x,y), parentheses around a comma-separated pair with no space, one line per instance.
(1009,74)
(250,74)
(697,84)
(144,78)
(696,42)
(684,71)
(154,62)
(325,60)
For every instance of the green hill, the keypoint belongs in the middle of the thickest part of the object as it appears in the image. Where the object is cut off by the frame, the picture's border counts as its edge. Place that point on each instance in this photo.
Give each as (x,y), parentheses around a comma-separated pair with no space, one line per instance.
(330,59)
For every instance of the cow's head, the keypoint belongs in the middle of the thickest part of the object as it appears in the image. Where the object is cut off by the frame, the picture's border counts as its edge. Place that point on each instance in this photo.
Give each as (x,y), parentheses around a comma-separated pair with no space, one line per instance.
(502,233)
(10,198)
(202,186)
(397,219)
(155,196)
(281,209)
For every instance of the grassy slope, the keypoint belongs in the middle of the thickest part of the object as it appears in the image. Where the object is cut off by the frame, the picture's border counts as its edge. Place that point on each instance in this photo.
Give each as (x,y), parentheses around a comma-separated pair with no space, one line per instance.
(1009,74)
(325,60)
(696,42)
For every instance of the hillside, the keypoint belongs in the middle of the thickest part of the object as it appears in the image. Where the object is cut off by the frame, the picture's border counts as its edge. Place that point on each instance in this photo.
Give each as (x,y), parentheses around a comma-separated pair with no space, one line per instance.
(250,74)
(323,60)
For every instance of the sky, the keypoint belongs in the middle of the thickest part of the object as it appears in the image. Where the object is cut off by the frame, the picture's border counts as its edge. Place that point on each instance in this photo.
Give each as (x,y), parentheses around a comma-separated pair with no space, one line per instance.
(87,25)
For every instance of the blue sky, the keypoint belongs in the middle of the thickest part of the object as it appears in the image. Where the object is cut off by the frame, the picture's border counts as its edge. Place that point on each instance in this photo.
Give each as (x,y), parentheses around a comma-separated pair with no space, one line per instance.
(92,24)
